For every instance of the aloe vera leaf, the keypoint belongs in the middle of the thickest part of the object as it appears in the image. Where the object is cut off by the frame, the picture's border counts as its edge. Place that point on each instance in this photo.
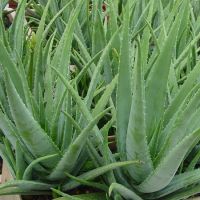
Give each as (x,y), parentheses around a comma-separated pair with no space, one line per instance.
(155,93)
(6,158)
(48,83)
(20,161)
(2,30)
(180,181)
(184,29)
(28,172)
(17,29)
(97,172)
(8,63)
(113,17)
(10,153)
(7,127)
(123,101)
(88,183)
(56,115)
(75,124)
(194,161)
(185,123)
(98,34)
(103,101)
(165,171)
(38,52)
(86,67)
(96,74)
(184,194)
(66,139)
(20,191)
(70,157)
(125,192)
(136,140)
(179,110)
(62,54)
(182,93)
(64,196)
(31,133)
(61,11)
(23,186)
(145,42)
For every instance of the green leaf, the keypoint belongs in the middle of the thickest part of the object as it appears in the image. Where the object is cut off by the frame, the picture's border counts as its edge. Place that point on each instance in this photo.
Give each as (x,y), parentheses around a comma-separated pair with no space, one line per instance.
(103,101)
(97,172)
(8,64)
(24,187)
(180,181)
(156,90)
(182,93)
(125,192)
(165,171)
(17,30)
(123,104)
(136,140)
(61,58)
(34,137)
(28,172)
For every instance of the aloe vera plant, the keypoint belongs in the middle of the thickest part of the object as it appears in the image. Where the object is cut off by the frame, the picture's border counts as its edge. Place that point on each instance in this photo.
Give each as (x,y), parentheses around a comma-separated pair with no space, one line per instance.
(137,70)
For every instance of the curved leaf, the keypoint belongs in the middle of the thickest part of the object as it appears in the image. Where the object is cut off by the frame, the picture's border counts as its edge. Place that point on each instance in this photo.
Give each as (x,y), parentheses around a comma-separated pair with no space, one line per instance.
(168,166)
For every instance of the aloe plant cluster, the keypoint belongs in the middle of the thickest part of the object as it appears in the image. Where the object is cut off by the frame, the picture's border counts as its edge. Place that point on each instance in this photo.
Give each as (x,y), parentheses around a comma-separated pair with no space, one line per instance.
(79,71)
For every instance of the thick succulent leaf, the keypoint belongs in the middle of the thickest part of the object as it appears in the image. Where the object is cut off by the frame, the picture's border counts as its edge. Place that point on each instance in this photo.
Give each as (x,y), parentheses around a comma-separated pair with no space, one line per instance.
(69,160)
(96,75)
(165,171)
(73,122)
(6,159)
(86,67)
(186,122)
(103,101)
(145,42)
(8,130)
(37,63)
(156,91)
(136,140)
(97,172)
(17,30)
(125,192)
(92,184)
(62,54)
(28,172)
(33,136)
(123,104)
(48,85)
(8,64)
(20,161)
(182,93)
(58,14)
(180,181)
(24,187)
(184,194)
(98,34)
